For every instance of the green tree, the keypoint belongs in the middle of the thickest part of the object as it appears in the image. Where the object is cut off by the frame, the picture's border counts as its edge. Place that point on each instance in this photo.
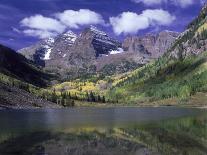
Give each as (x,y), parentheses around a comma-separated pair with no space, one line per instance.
(92,97)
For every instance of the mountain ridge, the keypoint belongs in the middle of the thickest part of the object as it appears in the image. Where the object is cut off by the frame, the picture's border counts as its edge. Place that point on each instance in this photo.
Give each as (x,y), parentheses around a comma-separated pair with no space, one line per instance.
(15,65)
(93,50)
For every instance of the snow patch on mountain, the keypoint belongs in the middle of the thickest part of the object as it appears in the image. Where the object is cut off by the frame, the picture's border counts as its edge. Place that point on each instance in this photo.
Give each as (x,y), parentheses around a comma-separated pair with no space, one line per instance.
(47,54)
(97,31)
(119,50)
(47,45)
(70,37)
(50,41)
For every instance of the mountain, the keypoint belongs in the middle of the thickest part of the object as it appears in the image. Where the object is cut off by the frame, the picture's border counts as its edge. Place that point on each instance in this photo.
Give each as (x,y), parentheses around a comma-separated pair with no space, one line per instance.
(193,40)
(150,45)
(15,65)
(46,51)
(94,51)
(19,80)
(136,51)
(101,43)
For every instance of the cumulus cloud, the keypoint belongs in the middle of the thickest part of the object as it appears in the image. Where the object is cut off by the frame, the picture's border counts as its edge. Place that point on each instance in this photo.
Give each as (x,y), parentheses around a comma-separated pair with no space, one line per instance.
(43,23)
(158,16)
(74,19)
(129,22)
(181,3)
(42,34)
(43,27)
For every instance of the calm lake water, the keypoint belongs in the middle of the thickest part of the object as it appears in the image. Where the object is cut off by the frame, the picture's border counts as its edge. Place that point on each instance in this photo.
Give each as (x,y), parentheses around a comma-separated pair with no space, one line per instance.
(89,121)
(61,119)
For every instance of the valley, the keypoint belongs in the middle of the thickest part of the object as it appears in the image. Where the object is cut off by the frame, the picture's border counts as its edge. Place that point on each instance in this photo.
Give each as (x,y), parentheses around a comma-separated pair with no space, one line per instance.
(166,68)
(118,77)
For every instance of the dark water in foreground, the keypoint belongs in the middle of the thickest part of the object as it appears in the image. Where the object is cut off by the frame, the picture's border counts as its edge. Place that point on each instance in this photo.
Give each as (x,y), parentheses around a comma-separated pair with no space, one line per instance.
(61,119)
(120,130)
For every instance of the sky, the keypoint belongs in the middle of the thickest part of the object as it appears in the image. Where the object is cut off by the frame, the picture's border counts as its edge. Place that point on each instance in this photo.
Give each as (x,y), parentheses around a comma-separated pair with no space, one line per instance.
(25,22)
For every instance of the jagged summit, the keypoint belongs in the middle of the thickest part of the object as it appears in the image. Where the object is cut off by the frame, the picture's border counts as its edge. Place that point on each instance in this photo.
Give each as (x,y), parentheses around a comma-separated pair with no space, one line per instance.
(96,30)
(101,43)
(70,36)
(93,49)
(49,40)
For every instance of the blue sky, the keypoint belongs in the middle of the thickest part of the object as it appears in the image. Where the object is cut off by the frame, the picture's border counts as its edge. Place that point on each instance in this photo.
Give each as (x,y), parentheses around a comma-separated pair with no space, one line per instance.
(24,22)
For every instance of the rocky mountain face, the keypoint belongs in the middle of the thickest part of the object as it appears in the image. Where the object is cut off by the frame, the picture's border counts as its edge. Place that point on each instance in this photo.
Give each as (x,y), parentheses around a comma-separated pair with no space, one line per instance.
(46,51)
(70,53)
(192,41)
(137,52)
(90,46)
(39,52)
(94,51)
(151,45)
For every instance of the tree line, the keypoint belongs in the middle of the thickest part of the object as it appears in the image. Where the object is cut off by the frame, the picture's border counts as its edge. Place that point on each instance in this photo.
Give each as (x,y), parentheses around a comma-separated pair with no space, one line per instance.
(65,98)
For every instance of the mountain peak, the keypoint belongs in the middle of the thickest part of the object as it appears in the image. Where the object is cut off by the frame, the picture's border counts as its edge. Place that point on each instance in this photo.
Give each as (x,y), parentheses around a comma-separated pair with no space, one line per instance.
(69,36)
(69,33)
(97,31)
(49,41)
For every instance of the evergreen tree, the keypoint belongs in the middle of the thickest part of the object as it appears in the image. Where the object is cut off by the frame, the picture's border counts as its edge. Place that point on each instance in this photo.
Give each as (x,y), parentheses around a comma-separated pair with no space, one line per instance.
(87,97)
(99,98)
(76,97)
(103,99)
(54,96)
(69,96)
(92,97)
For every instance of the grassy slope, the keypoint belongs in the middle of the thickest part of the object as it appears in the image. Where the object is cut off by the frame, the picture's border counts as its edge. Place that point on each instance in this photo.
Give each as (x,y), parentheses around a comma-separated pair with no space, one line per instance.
(178,79)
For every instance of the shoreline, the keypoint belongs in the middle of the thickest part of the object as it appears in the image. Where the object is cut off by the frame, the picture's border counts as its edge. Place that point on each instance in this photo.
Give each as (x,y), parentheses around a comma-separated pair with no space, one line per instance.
(101,105)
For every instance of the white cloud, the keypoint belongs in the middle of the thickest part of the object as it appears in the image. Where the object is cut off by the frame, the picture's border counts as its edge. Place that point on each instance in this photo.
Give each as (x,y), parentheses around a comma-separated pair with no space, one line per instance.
(40,22)
(74,19)
(158,16)
(43,27)
(42,34)
(181,3)
(129,22)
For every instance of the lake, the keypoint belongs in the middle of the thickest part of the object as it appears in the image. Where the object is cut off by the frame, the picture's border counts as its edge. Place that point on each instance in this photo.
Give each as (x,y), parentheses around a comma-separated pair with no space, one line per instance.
(118,130)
